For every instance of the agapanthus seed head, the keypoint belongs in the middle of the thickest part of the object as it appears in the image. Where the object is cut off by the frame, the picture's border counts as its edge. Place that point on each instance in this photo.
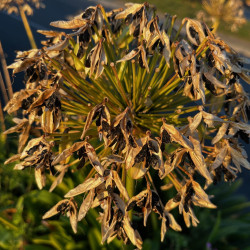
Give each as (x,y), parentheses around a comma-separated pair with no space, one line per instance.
(134,102)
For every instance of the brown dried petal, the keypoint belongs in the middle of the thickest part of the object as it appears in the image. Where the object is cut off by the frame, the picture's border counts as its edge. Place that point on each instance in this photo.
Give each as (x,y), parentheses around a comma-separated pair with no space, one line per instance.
(107,161)
(172,222)
(196,122)
(198,159)
(221,132)
(42,97)
(51,33)
(238,159)
(109,232)
(16,102)
(119,202)
(53,211)
(86,205)
(138,197)
(215,81)
(209,119)
(201,195)
(129,56)
(40,177)
(144,57)
(95,57)
(85,186)
(72,24)
(12,159)
(131,233)
(32,143)
(20,65)
(120,185)
(163,228)
(136,172)
(219,158)
(59,46)
(90,151)
(171,204)
(58,180)
(68,152)
(21,123)
(166,50)
(101,62)
(47,121)
(186,217)
(177,136)
(89,119)
(197,31)
(132,9)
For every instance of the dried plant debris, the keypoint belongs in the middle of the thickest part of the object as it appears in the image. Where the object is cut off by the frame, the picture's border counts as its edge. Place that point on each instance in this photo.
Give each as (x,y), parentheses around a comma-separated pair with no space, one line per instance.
(131,99)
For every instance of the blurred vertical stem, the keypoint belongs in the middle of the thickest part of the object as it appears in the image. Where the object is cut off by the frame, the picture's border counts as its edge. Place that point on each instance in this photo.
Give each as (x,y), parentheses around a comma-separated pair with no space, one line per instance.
(27,28)
(2,136)
(3,90)
(6,72)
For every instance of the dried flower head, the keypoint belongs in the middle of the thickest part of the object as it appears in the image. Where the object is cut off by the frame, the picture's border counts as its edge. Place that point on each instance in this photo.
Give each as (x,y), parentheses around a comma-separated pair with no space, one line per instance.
(229,11)
(124,96)
(12,5)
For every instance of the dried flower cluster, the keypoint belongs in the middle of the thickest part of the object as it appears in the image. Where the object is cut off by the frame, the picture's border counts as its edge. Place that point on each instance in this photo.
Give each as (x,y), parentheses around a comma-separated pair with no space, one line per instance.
(229,11)
(132,98)
(11,6)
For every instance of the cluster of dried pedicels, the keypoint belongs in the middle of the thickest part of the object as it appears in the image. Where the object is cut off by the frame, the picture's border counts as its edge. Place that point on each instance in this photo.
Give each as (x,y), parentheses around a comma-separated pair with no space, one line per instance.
(13,5)
(125,71)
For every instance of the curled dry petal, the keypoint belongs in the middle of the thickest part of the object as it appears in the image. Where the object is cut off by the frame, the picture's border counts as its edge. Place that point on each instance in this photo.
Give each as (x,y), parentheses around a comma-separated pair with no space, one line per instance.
(163,228)
(238,158)
(86,205)
(68,152)
(166,50)
(194,31)
(132,9)
(58,180)
(196,122)
(201,195)
(12,159)
(85,186)
(130,55)
(172,222)
(221,132)
(72,24)
(32,143)
(40,177)
(120,185)
(198,159)
(91,115)
(220,158)
(90,151)
(42,97)
(177,136)
(209,119)
(53,211)
(134,238)
(59,46)
(16,102)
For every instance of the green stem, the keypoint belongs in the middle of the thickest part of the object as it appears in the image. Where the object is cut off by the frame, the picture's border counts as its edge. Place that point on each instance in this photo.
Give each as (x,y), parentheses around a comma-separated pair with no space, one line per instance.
(130,189)
(216,25)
